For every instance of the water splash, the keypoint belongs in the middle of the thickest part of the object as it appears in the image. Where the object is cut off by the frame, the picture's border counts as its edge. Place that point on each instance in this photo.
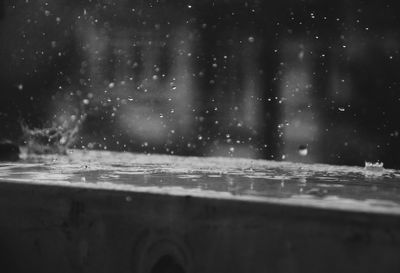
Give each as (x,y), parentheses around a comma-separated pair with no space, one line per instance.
(317,185)
(52,140)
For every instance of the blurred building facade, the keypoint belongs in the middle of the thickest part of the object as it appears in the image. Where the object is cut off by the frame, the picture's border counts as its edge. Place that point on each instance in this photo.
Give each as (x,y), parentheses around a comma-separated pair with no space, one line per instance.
(224,78)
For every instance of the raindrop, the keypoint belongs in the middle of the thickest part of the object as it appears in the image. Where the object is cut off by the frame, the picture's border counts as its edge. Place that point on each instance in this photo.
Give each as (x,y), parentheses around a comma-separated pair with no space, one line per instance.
(251,39)
(301,55)
(63,140)
(303,150)
(111,85)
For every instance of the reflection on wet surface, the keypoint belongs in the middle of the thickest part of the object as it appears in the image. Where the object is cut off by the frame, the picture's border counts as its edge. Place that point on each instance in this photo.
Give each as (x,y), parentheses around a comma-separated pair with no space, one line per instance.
(325,186)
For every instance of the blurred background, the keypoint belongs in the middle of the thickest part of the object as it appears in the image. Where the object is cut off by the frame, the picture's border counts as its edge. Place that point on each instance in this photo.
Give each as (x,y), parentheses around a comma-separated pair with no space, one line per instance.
(255,79)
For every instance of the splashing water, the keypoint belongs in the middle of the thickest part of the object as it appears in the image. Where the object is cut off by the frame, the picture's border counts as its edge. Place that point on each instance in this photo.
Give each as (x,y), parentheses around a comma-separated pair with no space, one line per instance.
(316,185)
(53,140)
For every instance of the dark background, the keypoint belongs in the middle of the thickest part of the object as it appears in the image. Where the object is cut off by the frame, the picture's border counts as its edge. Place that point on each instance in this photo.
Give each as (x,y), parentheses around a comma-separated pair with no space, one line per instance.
(224,78)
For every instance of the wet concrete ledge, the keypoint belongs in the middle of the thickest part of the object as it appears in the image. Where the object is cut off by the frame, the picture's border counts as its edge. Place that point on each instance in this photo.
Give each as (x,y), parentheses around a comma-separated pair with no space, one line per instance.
(47,228)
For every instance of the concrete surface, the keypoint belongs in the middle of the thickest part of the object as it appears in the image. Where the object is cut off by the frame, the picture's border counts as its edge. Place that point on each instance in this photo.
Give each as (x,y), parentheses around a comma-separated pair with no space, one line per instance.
(114,212)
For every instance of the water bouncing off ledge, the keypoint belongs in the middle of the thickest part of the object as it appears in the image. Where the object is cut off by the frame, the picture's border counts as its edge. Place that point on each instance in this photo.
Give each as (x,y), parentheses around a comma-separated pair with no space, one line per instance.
(369,189)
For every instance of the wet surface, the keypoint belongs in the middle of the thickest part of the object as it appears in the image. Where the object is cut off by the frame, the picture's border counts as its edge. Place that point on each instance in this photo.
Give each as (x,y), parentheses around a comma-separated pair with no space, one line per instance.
(316,185)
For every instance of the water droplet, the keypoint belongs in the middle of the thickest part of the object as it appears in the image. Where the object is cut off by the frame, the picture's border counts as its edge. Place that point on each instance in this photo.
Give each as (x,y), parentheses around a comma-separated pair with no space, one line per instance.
(20,86)
(251,39)
(63,140)
(111,85)
(303,150)
(301,55)
(85,101)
